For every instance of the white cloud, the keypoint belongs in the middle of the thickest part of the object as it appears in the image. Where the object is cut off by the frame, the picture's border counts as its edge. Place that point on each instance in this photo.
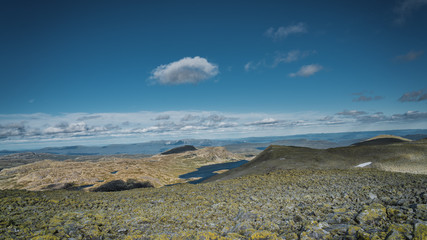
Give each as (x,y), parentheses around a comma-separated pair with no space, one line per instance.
(351,113)
(291,56)
(283,32)
(88,117)
(73,128)
(162,117)
(410,56)
(266,121)
(366,97)
(410,115)
(277,58)
(307,70)
(253,66)
(189,117)
(405,8)
(187,70)
(249,66)
(415,96)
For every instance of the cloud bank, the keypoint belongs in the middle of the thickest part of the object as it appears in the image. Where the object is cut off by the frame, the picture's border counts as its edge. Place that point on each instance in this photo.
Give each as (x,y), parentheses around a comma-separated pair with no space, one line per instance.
(186,70)
(27,131)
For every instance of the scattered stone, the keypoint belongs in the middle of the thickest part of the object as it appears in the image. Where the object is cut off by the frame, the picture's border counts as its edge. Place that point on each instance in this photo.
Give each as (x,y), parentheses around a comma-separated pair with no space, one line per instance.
(372,196)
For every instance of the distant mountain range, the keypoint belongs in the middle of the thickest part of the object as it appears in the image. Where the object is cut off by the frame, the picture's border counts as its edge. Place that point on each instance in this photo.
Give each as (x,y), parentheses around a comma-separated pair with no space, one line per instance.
(252,144)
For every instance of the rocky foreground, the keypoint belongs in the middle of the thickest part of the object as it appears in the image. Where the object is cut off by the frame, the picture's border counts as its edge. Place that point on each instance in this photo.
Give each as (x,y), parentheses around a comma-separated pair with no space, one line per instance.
(290,204)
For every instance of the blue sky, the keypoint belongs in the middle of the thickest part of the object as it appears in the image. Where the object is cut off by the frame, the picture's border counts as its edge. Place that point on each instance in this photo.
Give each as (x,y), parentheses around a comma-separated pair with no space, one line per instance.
(99,72)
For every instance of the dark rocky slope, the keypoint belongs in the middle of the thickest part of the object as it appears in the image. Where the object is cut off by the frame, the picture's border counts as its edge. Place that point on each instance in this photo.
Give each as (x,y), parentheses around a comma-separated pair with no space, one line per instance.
(181,149)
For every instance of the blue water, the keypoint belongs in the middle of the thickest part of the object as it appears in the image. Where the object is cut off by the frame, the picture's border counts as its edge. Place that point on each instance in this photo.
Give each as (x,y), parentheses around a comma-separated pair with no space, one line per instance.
(206,172)
(84,186)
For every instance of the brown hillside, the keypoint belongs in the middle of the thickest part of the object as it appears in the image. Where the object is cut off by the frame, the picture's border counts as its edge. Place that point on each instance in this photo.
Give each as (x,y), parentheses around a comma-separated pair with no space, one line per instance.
(158,170)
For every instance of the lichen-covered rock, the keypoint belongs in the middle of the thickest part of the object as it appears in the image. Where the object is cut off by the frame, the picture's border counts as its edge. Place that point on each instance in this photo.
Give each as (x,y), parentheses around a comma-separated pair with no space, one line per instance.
(421,211)
(361,235)
(264,235)
(353,230)
(374,214)
(315,230)
(399,230)
(396,214)
(338,230)
(291,236)
(395,235)
(341,216)
(420,232)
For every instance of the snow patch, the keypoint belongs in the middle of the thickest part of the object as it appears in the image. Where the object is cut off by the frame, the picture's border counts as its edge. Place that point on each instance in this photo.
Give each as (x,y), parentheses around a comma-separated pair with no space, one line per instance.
(364,164)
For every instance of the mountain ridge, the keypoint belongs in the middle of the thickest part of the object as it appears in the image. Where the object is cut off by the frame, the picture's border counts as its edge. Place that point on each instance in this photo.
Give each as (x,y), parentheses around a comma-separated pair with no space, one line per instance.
(407,157)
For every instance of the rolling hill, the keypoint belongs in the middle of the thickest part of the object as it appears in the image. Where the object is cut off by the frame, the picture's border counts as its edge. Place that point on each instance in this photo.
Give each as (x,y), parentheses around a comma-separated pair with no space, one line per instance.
(404,156)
